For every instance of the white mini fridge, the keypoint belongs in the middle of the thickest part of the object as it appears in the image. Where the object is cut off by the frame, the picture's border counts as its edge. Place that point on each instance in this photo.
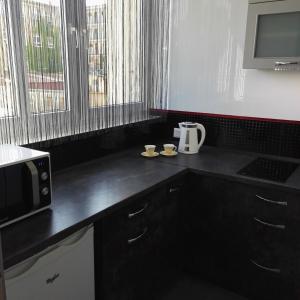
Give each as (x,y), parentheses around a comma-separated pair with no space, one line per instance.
(62,272)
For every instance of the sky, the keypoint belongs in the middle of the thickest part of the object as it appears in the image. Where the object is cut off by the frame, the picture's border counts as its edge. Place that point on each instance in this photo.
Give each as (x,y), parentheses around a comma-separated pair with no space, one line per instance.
(95,2)
(57,2)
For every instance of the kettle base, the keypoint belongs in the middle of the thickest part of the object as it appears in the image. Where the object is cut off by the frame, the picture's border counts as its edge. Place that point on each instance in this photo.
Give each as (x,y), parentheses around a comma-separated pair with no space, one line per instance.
(188,152)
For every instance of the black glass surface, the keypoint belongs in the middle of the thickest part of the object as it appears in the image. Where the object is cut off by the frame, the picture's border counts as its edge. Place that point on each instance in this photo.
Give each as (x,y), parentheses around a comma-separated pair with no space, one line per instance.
(275,170)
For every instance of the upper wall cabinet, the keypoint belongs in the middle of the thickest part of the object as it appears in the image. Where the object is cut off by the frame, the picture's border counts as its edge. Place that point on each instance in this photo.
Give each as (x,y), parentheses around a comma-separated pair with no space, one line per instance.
(273,35)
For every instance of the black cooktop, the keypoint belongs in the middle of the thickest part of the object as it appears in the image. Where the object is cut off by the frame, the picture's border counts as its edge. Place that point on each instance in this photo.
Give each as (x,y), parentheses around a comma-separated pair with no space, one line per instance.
(275,170)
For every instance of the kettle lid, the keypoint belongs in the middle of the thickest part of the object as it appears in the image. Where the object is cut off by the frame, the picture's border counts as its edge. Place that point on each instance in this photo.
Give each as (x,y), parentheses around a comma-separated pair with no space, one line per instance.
(188,124)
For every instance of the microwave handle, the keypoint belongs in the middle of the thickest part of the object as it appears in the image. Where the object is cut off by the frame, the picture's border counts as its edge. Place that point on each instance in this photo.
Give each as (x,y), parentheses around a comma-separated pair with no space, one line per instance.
(35,184)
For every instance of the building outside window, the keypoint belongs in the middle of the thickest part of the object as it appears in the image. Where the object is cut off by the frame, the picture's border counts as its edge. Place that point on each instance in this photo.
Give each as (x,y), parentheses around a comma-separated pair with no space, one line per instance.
(97,54)
(36,40)
(50,42)
(44,56)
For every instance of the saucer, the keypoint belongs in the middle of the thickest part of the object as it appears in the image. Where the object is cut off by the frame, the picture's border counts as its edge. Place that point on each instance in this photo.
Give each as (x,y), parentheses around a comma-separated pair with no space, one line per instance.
(145,154)
(174,153)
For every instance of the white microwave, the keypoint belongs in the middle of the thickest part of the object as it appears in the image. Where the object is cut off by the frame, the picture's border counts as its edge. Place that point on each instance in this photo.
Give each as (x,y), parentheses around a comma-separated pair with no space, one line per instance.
(25,183)
(273,35)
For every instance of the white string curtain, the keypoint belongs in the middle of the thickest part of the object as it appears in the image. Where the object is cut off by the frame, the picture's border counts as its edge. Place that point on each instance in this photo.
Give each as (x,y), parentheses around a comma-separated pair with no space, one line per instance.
(79,66)
(159,51)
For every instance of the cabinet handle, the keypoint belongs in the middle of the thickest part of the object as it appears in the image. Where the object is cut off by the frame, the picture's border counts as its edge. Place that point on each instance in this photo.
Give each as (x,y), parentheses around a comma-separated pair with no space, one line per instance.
(273,270)
(131,241)
(174,190)
(282,203)
(269,224)
(134,214)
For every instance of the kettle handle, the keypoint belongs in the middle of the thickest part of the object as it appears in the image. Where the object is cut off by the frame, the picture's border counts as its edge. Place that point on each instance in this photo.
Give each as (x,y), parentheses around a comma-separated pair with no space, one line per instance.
(203,134)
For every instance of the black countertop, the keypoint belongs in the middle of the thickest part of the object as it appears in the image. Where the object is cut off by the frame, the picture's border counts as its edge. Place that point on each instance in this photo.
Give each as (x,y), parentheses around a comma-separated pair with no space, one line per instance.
(226,163)
(81,195)
(84,193)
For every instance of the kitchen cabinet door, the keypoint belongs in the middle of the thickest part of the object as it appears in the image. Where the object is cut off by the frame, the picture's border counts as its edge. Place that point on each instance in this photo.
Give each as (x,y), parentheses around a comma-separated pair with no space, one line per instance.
(273,265)
(132,253)
(214,229)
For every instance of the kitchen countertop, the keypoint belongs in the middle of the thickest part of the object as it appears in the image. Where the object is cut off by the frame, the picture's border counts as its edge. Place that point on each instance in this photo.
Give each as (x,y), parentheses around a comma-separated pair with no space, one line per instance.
(84,193)
(226,163)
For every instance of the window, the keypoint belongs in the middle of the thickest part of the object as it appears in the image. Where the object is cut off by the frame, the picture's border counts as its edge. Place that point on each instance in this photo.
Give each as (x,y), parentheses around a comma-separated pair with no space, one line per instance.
(45,72)
(73,66)
(97,53)
(8,105)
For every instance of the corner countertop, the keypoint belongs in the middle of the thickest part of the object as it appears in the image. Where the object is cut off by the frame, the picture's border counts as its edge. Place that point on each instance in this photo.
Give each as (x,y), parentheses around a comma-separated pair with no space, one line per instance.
(226,163)
(84,193)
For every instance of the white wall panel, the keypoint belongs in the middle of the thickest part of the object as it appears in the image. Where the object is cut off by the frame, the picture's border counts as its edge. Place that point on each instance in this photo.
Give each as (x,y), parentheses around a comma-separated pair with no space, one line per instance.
(206,73)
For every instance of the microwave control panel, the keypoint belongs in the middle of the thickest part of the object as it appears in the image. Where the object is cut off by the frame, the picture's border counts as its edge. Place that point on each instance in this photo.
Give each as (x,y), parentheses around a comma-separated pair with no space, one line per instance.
(43,168)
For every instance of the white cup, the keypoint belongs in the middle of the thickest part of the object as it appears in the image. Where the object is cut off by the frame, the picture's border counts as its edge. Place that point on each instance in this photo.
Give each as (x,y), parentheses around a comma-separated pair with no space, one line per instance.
(169,148)
(150,149)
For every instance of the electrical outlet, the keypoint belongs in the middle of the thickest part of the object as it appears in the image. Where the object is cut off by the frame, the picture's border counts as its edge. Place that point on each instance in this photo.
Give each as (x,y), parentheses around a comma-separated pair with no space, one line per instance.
(176,133)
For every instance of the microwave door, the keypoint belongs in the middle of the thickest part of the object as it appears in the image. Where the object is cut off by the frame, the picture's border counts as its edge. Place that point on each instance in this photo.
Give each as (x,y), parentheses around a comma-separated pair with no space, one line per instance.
(22,189)
(16,204)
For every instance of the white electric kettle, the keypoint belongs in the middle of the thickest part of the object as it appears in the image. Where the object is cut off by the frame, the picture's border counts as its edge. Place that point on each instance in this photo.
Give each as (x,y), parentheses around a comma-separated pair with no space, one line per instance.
(188,143)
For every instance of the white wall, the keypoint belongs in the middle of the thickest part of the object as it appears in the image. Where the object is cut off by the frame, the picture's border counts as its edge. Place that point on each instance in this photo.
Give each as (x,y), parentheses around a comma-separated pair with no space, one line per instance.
(206,72)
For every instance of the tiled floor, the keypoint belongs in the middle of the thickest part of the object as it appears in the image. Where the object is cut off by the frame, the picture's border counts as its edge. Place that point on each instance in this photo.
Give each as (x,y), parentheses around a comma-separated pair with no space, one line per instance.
(193,289)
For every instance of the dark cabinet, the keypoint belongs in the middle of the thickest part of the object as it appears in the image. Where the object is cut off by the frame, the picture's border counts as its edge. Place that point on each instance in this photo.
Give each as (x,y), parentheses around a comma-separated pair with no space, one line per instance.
(133,244)
(243,237)
(215,218)
(272,244)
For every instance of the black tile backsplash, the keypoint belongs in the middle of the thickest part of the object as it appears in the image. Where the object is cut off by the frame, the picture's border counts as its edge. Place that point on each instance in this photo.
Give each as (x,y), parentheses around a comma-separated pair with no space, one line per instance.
(267,137)
(69,151)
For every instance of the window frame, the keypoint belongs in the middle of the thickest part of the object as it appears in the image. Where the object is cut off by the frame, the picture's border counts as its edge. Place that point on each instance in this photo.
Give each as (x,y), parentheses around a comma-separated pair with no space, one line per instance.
(74,26)
(24,115)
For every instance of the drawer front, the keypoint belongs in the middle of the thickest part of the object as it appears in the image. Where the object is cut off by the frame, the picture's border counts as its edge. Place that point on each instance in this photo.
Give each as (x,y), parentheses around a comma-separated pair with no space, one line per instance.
(134,241)
(270,205)
(133,217)
(126,265)
(267,238)
(275,203)
(124,221)
(264,282)
(271,230)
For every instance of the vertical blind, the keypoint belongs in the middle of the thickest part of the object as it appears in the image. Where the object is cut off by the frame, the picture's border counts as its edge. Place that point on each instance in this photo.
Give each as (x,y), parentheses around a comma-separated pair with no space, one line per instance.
(74,66)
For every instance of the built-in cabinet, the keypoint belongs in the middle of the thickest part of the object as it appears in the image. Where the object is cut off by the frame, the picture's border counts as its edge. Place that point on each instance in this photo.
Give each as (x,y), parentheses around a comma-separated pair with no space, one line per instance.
(243,237)
(272,35)
(213,231)
(135,245)
(246,237)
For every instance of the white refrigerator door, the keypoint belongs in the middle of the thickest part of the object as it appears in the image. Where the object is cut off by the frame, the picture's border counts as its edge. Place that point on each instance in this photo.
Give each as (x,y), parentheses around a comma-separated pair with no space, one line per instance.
(66,271)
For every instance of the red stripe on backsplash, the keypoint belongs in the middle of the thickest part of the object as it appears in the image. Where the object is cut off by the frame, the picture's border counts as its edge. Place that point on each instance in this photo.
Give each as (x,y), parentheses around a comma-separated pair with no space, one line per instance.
(191,113)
